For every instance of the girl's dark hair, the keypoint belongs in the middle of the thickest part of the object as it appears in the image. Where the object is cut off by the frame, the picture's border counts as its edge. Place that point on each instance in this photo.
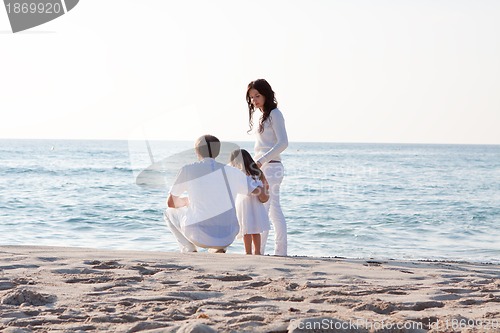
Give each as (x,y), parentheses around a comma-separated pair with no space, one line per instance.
(264,88)
(243,157)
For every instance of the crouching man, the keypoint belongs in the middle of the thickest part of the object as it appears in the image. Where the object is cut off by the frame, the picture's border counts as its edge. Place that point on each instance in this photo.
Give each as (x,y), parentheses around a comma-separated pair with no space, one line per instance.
(201,210)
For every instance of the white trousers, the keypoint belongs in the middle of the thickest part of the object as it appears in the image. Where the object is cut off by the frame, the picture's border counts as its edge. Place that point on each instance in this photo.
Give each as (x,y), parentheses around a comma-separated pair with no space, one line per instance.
(274,173)
(173,217)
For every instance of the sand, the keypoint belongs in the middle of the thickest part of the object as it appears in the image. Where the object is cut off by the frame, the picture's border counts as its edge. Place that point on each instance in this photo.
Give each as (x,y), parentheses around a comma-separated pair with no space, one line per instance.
(54,289)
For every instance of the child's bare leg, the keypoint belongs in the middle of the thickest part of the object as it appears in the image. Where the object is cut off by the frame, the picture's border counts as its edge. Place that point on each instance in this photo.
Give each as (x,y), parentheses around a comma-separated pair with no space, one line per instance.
(247,240)
(256,243)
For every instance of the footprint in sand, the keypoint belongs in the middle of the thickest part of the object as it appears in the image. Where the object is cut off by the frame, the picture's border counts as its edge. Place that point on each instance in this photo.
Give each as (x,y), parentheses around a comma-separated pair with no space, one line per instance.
(258,284)
(245,318)
(446,297)
(173,267)
(226,278)
(457,291)
(96,264)
(452,278)
(48,259)
(75,271)
(89,279)
(5,284)
(170,282)
(385,308)
(201,284)
(257,299)
(17,267)
(284,270)
(144,270)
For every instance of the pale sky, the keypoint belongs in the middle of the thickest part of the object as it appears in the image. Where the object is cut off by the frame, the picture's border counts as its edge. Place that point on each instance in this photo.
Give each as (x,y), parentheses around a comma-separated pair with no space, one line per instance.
(420,71)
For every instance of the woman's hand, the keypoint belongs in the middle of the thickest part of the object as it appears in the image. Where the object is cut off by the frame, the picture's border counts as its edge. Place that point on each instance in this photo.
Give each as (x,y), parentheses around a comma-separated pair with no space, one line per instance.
(264,194)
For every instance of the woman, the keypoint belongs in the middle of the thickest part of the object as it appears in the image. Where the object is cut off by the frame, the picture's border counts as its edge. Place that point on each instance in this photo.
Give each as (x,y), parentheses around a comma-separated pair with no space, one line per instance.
(271,141)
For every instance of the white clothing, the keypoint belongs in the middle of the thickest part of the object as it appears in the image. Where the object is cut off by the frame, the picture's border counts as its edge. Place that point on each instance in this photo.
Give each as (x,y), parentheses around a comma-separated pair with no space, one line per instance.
(274,174)
(252,215)
(173,218)
(273,140)
(210,219)
(268,146)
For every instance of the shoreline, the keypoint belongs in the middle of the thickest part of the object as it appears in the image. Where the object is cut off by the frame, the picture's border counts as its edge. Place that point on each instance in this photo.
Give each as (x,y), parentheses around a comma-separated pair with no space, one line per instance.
(231,251)
(69,289)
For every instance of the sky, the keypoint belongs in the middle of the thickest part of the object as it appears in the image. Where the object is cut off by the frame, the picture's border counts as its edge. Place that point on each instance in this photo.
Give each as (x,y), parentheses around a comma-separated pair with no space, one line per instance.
(400,71)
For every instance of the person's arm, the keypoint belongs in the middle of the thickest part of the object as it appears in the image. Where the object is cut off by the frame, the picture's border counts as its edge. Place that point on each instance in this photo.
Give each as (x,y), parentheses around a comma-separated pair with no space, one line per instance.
(174,199)
(264,194)
(278,126)
(258,191)
(177,202)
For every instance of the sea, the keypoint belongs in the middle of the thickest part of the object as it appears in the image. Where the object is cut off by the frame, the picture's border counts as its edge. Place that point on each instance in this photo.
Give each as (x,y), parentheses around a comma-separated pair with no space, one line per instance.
(350,200)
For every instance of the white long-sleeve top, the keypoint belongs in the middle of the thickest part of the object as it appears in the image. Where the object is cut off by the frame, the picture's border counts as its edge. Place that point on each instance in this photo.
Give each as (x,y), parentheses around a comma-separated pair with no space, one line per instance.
(273,140)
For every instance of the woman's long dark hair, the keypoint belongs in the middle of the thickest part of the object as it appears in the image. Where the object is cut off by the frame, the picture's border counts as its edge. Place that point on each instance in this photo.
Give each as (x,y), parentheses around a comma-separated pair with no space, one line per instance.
(243,158)
(264,88)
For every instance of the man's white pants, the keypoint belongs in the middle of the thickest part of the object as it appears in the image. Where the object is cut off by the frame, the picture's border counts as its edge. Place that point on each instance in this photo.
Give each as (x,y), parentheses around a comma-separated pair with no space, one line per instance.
(274,174)
(173,218)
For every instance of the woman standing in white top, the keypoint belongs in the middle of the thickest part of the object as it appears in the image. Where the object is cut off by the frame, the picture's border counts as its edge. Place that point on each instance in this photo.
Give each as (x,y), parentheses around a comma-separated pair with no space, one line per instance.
(271,141)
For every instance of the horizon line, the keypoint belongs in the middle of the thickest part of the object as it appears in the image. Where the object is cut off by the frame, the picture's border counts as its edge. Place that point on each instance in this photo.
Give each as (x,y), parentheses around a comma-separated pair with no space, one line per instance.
(250,141)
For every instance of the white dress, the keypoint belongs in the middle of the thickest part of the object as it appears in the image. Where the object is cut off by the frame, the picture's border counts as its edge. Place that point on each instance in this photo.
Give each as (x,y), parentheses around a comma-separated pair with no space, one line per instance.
(251,213)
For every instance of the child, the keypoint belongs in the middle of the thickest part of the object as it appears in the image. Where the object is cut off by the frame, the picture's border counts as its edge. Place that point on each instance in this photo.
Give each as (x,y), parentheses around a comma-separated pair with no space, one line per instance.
(250,210)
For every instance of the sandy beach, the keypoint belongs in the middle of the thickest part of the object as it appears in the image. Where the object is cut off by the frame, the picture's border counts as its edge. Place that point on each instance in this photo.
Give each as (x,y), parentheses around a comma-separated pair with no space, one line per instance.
(54,289)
